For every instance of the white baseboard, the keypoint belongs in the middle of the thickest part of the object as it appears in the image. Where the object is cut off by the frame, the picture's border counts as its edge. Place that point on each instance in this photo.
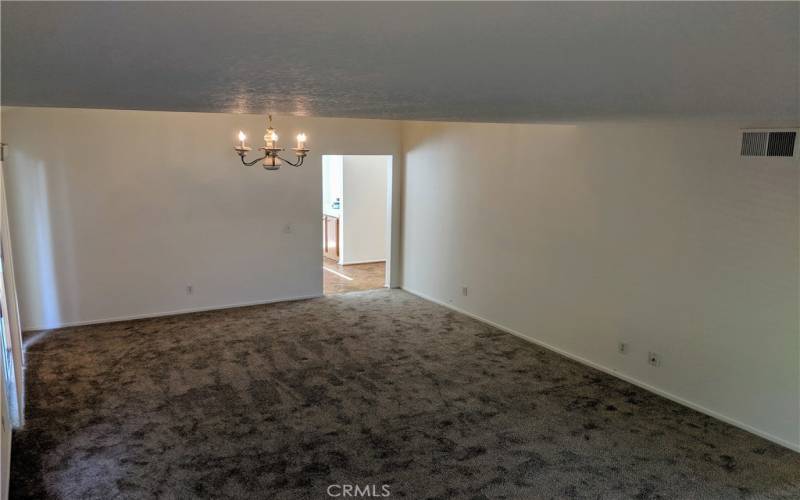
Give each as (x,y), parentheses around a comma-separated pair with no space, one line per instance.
(787,444)
(117,319)
(362,262)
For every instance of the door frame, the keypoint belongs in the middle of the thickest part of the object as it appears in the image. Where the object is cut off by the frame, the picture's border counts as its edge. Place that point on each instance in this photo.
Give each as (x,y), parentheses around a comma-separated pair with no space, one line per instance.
(393,195)
(10,308)
(5,436)
(11,412)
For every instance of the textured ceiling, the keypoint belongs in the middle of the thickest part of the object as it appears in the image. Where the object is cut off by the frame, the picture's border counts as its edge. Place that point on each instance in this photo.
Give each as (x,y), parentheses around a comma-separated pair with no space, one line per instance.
(505,62)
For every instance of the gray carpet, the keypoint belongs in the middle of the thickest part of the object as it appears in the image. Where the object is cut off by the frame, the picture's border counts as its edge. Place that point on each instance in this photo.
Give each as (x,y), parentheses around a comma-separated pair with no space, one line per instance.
(368,388)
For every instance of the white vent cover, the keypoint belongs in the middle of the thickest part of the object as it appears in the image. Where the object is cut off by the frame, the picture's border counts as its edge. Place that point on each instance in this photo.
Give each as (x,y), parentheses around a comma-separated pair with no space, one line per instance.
(779,142)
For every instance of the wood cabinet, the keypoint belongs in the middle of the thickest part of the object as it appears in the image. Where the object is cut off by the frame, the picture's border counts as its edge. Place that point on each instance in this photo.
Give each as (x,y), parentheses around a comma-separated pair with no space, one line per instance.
(330,237)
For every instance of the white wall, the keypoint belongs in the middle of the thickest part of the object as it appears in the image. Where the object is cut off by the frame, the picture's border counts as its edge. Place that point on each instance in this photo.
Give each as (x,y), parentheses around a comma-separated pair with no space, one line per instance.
(114,213)
(657,234)
(364,207)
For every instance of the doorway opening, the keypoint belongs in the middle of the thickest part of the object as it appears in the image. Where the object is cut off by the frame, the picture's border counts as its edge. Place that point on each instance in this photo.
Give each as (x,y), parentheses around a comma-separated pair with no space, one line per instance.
(356,222)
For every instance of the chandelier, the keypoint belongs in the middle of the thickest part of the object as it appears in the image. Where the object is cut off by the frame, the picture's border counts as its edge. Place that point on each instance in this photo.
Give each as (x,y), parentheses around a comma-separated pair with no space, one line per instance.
(272,160)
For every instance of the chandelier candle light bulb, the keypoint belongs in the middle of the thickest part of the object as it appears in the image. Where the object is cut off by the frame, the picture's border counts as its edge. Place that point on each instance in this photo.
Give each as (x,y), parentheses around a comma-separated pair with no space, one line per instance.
(270,139)
(242,137)
(301,141)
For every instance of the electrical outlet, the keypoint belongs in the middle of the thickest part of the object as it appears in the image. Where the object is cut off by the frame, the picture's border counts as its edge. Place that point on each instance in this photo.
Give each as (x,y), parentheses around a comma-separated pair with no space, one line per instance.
(653,359)
(189,289)
(464,291)
(622,347)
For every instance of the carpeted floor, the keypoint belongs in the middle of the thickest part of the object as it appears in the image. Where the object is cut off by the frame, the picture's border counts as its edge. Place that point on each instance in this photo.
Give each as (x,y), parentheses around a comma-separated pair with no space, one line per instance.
(369,388)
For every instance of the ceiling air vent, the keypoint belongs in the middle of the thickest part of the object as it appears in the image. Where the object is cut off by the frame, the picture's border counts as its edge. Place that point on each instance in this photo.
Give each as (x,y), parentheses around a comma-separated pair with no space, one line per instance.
(768,142)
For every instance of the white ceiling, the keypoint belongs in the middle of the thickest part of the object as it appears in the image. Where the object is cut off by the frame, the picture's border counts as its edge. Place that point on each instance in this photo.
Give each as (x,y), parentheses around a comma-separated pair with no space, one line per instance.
(505,62)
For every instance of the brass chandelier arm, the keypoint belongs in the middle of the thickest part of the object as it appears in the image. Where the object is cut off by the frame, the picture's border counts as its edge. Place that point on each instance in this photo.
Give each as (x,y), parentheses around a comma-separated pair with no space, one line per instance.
(300,160)
(251,163)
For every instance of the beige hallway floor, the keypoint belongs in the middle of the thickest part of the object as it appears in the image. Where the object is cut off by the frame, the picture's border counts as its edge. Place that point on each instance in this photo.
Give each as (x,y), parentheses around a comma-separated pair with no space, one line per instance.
(353,277)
